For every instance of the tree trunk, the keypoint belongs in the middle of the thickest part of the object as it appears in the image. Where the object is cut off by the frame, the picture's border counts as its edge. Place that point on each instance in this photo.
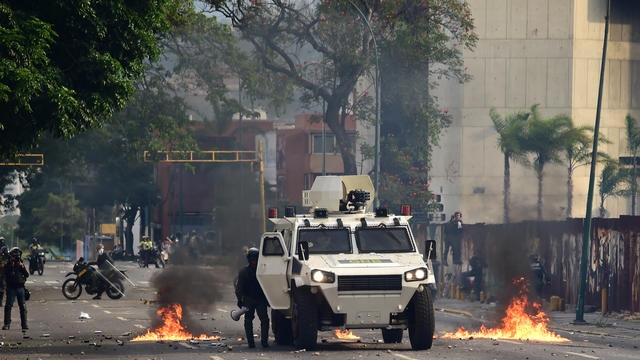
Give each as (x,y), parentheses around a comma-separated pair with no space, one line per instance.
(130,218)
(602,209)
(539,176)
(507,188)
(569,192)
(634,187)
(337,125)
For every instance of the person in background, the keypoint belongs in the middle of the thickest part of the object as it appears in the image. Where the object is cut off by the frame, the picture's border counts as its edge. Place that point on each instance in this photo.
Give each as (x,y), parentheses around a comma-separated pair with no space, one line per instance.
(539,275)
(476,269)
(250,295)
(4,259)
(453,231)
(34,247)
(15,275)
(146,248)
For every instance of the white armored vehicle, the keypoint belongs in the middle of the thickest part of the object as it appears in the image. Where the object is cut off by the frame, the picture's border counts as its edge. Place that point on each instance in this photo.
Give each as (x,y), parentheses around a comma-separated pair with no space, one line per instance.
(344,266)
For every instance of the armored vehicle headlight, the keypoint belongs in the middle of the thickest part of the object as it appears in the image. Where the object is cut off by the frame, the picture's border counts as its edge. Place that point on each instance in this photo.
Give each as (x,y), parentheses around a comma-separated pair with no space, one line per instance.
(418,274)
(323,276)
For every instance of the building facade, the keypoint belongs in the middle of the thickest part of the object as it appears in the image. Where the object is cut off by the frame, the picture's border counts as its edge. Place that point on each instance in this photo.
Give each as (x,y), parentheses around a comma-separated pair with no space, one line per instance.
(545,52)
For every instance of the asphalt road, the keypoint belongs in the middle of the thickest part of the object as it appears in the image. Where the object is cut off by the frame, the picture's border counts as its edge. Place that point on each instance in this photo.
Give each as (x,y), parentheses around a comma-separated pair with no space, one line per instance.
(104,329)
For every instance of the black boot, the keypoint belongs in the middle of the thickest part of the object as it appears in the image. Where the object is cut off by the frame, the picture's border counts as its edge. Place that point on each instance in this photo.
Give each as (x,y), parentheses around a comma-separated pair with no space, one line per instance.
(23,319)
(248,331)
(264,333)
(7,318)
(1,296)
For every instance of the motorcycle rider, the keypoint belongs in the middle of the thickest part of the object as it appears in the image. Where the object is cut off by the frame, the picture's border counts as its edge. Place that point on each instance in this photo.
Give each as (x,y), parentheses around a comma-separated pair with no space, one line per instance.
(35,246)
(16,275)
(250,295)
(146,250)
(4,258)
(105,266)
(35,249)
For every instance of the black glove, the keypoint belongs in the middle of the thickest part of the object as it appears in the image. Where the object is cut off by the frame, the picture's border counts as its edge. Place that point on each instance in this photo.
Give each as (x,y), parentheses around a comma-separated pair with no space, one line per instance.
(240,304)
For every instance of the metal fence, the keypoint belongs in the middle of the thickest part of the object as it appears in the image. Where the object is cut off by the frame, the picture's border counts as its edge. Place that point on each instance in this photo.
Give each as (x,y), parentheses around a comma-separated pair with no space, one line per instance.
(613,275)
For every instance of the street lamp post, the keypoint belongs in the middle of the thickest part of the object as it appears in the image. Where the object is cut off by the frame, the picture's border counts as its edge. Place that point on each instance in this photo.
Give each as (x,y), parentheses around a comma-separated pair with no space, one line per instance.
(376,200)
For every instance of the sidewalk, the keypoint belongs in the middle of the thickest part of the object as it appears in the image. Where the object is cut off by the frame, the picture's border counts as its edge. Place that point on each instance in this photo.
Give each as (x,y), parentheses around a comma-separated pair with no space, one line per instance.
(618,325)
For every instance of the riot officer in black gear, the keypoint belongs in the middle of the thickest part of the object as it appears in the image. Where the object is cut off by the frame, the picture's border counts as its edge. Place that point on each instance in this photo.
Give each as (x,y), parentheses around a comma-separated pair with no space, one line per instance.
(250,295)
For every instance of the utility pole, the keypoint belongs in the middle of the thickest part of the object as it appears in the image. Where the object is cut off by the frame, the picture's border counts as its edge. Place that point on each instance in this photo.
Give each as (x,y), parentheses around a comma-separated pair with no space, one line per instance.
(586,234)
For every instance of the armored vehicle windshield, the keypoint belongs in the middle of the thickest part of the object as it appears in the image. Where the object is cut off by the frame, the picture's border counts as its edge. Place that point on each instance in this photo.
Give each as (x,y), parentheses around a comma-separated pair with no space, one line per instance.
(383,240)
(326,240)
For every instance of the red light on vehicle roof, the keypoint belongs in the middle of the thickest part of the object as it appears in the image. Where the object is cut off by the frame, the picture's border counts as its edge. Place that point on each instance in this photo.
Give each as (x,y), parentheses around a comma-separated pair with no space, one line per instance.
(405,210)
(273,213)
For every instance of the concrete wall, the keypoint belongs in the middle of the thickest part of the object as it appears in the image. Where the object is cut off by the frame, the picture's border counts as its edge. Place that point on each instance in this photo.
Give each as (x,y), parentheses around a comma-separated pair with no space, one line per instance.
(545,52)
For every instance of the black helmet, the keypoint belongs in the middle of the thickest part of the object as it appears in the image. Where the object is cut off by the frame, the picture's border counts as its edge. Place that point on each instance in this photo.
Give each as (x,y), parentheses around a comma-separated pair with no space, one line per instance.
(34,240)
(253,254)
(15,251)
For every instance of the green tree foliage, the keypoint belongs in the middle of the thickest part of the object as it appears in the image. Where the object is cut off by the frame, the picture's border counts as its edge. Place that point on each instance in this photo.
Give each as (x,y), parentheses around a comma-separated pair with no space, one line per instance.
(577,151)
(423,46)
(68,65)
(545,138)
(59,219)
(298,41)
(204,53)
(611,179)
(510,132)
(105,166)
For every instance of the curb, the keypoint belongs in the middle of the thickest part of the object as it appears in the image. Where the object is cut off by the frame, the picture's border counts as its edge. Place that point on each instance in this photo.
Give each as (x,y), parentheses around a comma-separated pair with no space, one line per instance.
(591,332)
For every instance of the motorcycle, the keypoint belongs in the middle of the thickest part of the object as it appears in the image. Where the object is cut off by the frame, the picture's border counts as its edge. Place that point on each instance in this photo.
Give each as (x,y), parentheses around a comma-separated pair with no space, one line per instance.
(154,258)
(83,274)
(36,261)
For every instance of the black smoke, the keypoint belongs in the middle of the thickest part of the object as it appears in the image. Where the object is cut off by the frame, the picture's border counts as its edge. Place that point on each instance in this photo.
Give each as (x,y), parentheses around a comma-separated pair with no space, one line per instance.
(195,288)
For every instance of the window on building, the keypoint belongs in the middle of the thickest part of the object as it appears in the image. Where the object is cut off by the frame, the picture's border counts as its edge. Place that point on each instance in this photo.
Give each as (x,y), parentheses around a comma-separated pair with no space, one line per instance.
(329,143)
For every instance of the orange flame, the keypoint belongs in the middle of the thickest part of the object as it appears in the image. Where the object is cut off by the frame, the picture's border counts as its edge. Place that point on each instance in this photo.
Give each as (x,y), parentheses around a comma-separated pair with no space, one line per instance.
(171,328)
(516,324)
(346,335)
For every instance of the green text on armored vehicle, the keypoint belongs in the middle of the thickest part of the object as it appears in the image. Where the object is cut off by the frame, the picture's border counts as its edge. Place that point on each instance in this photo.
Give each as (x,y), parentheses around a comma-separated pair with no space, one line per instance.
(345,266)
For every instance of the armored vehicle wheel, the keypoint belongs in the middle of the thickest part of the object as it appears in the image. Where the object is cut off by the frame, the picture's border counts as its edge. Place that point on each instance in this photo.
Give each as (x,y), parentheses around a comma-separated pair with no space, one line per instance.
(304,320)
(112,292)
(281,327)
(71,289)
(390,336)
(421,320)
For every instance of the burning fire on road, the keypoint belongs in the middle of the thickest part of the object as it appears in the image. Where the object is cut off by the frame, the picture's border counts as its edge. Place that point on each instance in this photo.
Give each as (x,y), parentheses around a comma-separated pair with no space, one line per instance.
(518,323)
(346,335)
(171,328)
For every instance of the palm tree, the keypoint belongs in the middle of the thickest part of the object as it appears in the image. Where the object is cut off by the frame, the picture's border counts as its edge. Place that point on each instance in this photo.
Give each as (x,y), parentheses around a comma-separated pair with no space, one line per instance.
(545,139)
(577,152)
(510,130)
(633,145)
(609,185)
